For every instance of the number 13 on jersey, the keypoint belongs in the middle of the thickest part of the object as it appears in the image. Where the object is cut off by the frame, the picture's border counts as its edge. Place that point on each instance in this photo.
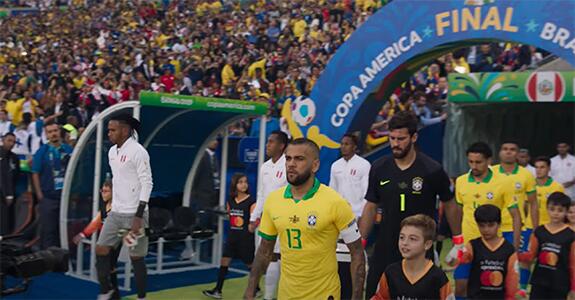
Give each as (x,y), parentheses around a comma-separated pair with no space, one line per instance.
(294,238)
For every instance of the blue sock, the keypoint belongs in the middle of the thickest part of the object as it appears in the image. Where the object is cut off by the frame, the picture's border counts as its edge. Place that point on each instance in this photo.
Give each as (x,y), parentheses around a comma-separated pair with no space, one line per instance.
(459,298)
(524,278)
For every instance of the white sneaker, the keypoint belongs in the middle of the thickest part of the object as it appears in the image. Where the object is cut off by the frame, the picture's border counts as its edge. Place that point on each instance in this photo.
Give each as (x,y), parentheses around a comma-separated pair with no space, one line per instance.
(213,293)
(106,296)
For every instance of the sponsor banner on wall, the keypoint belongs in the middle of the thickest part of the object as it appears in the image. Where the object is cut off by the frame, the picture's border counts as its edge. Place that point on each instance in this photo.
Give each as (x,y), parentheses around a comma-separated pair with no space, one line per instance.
(202,103)
(532,87)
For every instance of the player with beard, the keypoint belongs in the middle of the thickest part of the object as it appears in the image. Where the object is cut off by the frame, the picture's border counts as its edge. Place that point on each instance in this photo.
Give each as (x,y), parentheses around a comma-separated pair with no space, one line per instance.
(403,185)
(307,217)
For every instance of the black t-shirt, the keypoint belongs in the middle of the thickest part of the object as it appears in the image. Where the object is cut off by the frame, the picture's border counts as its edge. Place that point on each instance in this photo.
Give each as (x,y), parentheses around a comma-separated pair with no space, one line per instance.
(240,214)
(488,270)
(427,287)
(553,263)
(404,193)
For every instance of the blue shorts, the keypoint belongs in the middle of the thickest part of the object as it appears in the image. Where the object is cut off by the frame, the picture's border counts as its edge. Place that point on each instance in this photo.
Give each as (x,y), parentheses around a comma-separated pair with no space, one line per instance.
(525,236)
(462,271)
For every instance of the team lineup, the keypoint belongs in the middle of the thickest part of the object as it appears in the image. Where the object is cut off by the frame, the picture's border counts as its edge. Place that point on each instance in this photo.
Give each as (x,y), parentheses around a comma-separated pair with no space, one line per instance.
(509,229)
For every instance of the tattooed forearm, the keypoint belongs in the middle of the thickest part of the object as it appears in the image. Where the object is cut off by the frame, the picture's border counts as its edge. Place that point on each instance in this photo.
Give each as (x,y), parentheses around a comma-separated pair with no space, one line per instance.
(357,268)
(259,266)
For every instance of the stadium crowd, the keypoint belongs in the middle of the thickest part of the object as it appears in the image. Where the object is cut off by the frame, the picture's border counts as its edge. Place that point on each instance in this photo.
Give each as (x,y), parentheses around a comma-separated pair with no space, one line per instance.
(70,64)
(251,50)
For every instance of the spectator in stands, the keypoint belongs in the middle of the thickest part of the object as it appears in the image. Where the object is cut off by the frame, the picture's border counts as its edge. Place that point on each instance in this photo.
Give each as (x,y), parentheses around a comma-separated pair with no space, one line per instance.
(22,148)
(59,111)
(9,169)
(536,57)
(523,58)
(81,114)
(423,112)
(5,125)
(460,64)
(563,168)
(442,89)
(485,59)
(48,169)
(432,75)
(237,129)
(378,133)
(71,130)
(406,101)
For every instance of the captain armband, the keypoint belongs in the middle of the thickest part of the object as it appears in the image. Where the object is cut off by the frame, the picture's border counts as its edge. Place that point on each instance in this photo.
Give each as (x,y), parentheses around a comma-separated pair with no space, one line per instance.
(141,209)
(351,233)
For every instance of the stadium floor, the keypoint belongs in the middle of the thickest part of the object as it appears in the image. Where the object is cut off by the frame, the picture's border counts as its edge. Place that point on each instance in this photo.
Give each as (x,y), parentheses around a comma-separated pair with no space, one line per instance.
(185,285)
(233,289)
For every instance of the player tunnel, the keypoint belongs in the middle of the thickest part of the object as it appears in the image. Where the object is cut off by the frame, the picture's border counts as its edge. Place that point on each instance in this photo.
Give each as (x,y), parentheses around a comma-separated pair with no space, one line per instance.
(402,36)
(535,108)
(175,130)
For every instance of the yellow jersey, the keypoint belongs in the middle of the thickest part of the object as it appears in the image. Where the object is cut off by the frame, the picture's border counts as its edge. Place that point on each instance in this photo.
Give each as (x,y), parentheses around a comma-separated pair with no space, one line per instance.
(299,28)
(543,192)
(228,75)
(216,7)
(523,183)
(308,230)
(469,193)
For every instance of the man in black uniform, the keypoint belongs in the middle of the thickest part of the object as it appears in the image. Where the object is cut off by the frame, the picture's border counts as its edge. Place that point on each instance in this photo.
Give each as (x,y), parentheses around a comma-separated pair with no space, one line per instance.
(9,169)
(406,184)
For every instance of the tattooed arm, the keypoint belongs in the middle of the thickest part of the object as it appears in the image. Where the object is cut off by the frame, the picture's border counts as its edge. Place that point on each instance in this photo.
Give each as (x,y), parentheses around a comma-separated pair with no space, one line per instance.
(357,268)
(259,266)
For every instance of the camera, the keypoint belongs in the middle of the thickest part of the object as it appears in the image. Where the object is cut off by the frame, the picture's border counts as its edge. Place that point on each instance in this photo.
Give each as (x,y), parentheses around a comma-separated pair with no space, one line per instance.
(21,262)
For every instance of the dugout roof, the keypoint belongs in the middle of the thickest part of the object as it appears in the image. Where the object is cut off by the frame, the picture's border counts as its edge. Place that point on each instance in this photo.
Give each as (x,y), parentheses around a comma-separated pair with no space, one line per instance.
(175,129)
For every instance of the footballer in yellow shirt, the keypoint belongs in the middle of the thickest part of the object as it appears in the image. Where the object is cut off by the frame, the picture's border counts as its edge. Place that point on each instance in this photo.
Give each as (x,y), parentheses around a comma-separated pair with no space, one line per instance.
(545,186)
(472,192)
(523,185)
(481,185)
(307,218)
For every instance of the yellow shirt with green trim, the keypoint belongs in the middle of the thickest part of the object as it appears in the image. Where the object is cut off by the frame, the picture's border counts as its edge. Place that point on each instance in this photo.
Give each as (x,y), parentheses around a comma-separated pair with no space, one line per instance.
(523,184)
(469,193)
(543,191)
(308,230)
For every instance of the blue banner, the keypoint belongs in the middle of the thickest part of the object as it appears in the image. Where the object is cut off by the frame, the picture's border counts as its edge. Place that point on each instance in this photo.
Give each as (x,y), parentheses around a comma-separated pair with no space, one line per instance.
(404,29)
(248,150)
